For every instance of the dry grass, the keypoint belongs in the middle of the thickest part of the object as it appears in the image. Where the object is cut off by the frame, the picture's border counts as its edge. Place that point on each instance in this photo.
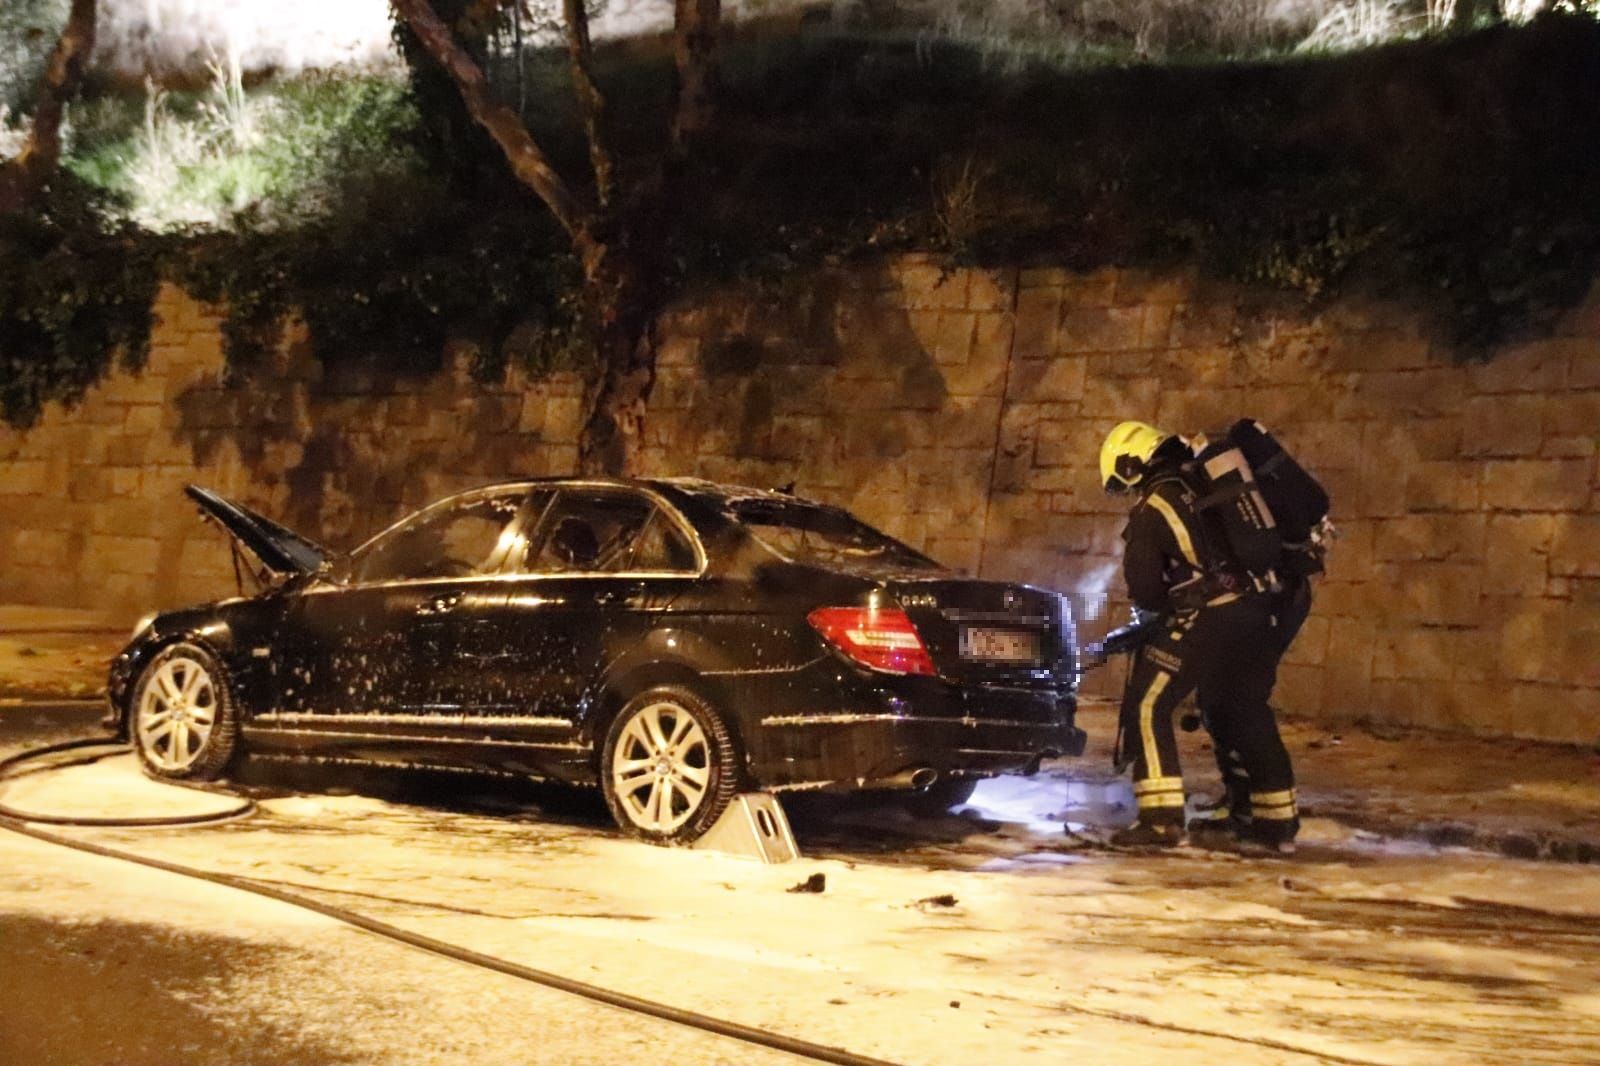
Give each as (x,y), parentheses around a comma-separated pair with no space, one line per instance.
(1361,24)
(958,206)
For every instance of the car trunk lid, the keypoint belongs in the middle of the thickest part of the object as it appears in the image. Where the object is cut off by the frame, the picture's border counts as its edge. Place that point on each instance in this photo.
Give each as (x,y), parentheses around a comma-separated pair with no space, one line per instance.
(281,550)
(990,631)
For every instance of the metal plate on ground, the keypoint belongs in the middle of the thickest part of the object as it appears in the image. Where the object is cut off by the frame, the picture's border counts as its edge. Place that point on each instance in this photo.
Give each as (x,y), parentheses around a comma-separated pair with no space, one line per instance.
(753,827)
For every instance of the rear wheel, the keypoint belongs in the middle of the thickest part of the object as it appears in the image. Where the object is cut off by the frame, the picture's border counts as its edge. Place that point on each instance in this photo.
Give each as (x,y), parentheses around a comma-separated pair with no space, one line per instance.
(184,725)
(669,766)
(939,797)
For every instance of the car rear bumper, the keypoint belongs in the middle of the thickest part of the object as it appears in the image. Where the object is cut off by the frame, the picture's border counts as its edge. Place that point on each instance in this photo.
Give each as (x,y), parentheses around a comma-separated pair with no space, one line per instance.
(881,750)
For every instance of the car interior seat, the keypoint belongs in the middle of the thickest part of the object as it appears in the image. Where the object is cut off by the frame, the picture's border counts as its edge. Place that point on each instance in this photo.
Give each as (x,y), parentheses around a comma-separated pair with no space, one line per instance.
(574,544)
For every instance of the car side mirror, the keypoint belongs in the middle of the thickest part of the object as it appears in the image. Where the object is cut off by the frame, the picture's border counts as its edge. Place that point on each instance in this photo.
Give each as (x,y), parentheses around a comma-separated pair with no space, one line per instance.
(334,571)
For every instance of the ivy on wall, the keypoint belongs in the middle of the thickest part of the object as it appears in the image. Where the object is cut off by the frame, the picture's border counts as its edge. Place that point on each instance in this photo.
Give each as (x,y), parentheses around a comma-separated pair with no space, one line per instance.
(396,281)
(1457,174)
(75,299)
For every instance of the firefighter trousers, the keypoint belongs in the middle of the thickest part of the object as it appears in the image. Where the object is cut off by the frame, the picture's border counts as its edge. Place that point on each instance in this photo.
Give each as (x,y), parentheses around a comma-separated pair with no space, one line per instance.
(1227,653)
(1290,608)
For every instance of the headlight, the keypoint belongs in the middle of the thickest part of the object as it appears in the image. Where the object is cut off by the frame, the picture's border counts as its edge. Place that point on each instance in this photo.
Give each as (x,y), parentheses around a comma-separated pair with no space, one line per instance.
(141,625)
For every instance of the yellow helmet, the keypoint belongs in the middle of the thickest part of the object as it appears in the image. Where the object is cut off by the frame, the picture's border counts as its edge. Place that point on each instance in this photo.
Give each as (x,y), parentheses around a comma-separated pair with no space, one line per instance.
(1126,452)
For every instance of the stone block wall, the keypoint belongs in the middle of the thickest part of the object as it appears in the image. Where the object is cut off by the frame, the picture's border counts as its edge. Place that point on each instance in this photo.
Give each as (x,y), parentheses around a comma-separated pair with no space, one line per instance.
(960,410)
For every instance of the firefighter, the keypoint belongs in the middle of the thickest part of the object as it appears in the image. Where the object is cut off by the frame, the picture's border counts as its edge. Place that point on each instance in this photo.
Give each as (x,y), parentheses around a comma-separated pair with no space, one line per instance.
(1299,506)
(1233,814)
(1218,638)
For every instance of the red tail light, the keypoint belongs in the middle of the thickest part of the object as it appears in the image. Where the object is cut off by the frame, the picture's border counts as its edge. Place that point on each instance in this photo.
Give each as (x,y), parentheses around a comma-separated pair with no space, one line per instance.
(882,638)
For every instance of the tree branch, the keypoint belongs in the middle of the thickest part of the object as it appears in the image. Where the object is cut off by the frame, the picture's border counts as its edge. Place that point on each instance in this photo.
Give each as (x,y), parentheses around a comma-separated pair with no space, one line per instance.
(527,160)
(591,101)
(22,177)
(696,24)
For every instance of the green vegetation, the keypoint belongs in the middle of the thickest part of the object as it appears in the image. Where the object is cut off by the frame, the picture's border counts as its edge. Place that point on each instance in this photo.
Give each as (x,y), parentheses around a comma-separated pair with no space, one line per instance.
(1456,171)
(74,293)
(395,276)
(281,154)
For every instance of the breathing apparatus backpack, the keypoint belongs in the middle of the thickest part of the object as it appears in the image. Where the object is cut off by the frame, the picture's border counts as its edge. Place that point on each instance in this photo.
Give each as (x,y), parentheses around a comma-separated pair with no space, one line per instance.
(1270,510)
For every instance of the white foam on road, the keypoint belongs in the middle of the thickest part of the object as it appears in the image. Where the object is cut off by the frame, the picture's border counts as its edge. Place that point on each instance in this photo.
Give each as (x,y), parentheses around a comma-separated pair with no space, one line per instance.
(1437,958)
(1043,803)
(115,787)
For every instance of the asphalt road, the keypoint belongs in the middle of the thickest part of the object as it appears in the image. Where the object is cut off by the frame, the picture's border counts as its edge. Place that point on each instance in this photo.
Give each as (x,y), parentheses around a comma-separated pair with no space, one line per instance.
(24,725)
(105,963)
(965,939)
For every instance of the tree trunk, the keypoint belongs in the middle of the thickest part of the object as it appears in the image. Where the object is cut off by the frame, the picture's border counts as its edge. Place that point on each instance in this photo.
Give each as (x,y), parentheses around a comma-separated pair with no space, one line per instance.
(697,23)
(619,244)
(591,101)
(624,308)
(23,177)
(527,160)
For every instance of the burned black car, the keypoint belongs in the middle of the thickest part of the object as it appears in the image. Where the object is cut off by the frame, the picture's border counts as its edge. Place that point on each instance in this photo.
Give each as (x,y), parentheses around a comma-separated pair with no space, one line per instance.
(673,641)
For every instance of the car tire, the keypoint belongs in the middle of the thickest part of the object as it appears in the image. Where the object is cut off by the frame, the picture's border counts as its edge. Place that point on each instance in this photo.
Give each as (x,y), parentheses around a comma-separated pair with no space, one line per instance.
(669,765)
(181,719)
(939,797)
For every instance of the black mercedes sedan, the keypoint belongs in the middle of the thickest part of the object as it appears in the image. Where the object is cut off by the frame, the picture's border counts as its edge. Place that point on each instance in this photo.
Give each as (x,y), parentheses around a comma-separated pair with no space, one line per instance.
(672,641)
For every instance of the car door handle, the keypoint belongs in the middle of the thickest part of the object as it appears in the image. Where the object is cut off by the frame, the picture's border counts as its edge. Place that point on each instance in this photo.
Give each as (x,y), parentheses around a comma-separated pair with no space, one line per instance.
(444,603)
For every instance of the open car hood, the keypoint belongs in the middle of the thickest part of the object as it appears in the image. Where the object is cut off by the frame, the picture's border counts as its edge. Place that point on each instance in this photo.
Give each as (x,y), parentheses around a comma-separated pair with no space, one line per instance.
(281,550)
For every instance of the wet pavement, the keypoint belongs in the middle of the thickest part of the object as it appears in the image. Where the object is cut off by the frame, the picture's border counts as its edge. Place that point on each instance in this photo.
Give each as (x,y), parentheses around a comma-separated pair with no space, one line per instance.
(102,962)
(982,936)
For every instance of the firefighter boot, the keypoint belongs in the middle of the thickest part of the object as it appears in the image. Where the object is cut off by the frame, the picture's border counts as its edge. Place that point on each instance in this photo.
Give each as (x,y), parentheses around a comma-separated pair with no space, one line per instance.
(1275,824)
(1216,825)
(1160,830)
(1225,820)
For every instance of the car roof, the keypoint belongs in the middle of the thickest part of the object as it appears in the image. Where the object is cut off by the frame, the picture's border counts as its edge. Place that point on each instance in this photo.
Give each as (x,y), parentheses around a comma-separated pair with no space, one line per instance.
(716,492)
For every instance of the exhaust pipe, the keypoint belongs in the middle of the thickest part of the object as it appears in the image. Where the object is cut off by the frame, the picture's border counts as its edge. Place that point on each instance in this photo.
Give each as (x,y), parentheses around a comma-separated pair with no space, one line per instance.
(918,779)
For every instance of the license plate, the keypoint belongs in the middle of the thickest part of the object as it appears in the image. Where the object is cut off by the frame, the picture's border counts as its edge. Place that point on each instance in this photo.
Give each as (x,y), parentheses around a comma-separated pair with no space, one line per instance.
(999,645)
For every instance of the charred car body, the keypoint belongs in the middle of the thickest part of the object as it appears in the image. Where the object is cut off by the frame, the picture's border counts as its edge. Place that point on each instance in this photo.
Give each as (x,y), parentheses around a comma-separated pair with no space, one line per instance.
(673,641)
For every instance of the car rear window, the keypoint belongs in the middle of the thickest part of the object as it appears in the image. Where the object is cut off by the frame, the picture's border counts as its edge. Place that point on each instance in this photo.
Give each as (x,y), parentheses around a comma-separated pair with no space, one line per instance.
(825,536)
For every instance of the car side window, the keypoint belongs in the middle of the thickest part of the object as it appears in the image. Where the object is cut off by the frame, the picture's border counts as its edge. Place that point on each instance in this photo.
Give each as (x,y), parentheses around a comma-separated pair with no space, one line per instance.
(598,531)
(662,546)
(466,538)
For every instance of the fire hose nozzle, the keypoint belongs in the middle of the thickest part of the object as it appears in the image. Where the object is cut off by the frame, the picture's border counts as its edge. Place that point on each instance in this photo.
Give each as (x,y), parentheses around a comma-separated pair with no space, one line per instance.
(1120,641)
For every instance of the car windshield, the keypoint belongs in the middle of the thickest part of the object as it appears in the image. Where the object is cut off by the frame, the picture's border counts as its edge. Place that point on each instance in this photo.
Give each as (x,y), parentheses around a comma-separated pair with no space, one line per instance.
(825,536)
(466,537)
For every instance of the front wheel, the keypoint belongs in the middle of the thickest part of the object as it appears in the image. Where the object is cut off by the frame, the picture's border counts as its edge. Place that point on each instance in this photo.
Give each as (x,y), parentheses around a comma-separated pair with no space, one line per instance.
(669,766)
(184,724)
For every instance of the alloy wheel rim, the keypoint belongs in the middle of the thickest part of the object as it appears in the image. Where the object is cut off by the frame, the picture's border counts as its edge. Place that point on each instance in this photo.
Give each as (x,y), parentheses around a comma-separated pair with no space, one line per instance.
(661,767)
(177,713)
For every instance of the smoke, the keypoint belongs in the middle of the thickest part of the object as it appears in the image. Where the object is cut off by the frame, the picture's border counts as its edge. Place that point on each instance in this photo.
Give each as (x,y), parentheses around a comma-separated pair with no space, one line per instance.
(1091,592)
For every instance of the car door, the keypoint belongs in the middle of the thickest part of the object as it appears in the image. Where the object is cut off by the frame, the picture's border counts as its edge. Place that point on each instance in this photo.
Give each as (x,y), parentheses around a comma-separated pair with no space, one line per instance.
(600,566)
(468,630)
(368,648)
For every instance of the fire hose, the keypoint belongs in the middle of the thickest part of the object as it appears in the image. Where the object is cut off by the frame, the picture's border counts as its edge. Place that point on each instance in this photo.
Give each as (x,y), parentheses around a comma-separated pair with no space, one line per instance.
(8,767)
(19,822)
(27,824)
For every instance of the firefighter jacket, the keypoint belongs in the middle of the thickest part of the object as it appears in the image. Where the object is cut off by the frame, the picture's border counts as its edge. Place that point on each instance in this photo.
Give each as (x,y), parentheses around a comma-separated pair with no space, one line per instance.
(1169,558)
